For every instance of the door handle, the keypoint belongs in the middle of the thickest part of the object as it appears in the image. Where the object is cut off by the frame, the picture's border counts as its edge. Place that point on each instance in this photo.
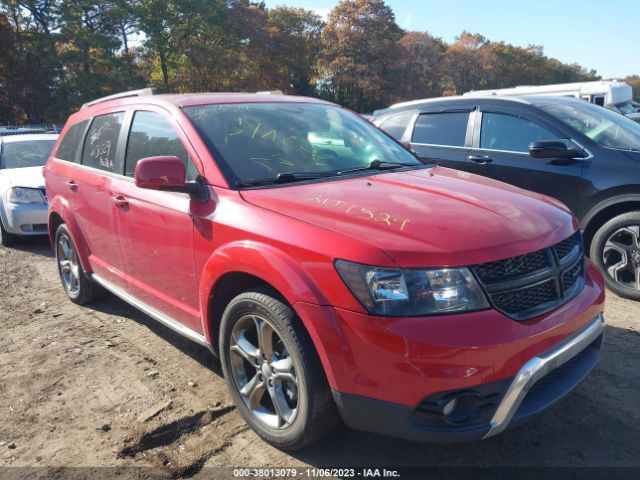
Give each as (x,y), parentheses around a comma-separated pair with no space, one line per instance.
(120,202)
(481,159)
(73,186)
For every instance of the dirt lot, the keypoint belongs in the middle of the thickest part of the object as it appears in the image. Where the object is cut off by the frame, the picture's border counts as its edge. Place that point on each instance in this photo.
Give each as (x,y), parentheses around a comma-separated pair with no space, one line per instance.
(105,385)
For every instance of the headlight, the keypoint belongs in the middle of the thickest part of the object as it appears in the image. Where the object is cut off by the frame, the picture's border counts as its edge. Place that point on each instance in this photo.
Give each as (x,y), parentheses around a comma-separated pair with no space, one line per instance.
(25,195)
(412,292)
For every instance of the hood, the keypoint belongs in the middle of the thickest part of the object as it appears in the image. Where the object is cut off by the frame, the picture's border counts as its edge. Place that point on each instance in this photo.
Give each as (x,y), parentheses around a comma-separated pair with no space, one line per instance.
(427,217)
(30,177)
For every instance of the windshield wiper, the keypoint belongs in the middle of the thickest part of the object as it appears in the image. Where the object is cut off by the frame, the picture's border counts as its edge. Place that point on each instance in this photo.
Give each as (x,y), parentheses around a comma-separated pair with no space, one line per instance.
(283,178)
(379,165)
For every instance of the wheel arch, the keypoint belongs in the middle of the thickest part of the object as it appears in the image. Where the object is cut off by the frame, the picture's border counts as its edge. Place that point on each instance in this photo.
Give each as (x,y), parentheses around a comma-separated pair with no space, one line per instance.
(59,213)
(605,211)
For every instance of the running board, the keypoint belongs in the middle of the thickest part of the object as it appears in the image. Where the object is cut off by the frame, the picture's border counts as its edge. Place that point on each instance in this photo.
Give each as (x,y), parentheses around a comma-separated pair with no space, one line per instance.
(152,312)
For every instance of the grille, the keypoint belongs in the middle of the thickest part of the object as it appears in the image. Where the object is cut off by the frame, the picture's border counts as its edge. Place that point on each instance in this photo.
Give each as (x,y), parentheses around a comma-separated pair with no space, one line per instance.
(571,276)
(528,285)
(514,266)
(566,247)
(527,298)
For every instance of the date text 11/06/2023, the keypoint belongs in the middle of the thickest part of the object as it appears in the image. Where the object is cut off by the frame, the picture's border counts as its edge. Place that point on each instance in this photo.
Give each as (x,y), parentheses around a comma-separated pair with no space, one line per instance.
(315,473)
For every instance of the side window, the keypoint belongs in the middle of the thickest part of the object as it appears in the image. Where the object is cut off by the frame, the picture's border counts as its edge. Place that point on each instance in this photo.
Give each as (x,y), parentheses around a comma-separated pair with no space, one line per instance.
(101,142)
(441,129)
(152,136)
(71,142)
(396,124)
(507,132)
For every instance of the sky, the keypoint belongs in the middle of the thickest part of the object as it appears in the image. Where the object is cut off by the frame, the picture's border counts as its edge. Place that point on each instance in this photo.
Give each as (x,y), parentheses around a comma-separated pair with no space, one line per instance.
(599,35)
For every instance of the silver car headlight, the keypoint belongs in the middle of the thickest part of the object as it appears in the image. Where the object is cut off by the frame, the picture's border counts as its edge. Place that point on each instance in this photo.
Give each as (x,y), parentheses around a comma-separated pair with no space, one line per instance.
(412,292)
(21,195)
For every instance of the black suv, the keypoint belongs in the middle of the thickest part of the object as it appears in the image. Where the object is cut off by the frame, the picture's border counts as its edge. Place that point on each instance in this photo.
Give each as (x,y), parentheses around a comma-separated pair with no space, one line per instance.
(584,155)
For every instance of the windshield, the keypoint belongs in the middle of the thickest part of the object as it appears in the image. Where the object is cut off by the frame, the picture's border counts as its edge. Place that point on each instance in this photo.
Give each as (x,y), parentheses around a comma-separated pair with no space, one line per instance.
(626,108)
(262,141)
(28,153)
(607,128)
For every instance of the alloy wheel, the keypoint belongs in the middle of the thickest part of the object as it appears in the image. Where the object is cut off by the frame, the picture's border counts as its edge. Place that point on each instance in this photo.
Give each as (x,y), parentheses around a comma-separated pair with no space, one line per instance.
(263,372)
(621,256)
(69,265)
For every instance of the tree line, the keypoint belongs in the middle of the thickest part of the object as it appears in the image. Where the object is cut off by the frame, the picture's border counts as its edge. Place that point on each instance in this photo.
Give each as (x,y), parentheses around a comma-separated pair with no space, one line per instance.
(57,54)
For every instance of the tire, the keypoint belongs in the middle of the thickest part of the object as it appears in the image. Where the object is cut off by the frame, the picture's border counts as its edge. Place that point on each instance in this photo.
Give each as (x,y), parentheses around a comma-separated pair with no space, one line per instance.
(79,287)
(615,249)
(7,239)
(306,409)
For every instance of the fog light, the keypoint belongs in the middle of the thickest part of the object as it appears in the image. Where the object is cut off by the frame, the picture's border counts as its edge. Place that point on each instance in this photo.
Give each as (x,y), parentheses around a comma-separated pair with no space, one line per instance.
(450,406)
(461,409)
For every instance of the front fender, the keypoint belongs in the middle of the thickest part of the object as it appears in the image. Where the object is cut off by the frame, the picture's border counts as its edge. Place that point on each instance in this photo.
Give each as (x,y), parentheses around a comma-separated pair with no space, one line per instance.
(60,206)
(266,262)
(288,277)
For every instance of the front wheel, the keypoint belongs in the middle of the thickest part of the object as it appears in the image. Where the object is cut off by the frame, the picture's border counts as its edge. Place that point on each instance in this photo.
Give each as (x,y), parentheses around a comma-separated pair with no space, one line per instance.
(615,249)
(273,371)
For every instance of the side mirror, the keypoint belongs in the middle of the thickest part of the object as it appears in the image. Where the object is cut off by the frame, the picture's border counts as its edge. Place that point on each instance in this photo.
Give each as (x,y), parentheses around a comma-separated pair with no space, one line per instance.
(167,174)
(554,149)
(160,173)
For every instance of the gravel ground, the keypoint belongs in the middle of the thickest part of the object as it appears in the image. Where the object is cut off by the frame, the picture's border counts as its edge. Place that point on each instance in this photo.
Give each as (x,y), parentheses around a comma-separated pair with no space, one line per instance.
(106,386)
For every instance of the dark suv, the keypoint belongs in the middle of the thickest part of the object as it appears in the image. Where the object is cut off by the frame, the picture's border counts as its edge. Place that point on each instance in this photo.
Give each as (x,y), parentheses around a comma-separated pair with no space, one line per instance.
(586,156)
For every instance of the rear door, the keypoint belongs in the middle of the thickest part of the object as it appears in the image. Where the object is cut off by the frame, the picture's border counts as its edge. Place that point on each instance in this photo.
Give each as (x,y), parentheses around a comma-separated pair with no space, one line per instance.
(156,228)
(442,136)
(501,151)
(89,191)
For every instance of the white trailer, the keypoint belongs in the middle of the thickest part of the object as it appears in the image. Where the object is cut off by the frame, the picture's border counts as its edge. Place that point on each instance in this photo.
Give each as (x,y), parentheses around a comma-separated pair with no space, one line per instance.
(607,93)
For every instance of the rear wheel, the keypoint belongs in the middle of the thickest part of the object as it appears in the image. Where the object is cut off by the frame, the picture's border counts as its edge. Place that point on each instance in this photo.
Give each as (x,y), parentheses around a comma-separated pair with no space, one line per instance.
(7,239)
(273,371)
(615,249)
(80,289)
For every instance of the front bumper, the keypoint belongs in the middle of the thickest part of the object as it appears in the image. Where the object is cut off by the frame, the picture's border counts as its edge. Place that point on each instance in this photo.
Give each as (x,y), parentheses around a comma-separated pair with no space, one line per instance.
(395,375)
(541,382)
(25,219)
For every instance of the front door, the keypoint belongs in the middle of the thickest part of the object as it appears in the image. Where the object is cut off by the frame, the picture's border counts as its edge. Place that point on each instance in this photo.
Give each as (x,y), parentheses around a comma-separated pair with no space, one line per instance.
(156,228)
(502,153)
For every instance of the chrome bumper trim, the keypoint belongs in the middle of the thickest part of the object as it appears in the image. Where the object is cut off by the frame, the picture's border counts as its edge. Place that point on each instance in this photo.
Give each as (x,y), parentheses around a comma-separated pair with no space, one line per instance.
(538,367)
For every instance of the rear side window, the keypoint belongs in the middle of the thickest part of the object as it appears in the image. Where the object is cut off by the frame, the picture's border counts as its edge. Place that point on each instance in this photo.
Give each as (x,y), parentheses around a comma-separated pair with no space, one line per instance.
(71,142)
(152,136)
(101,142)
(506,132)
(397,124)
(441,129)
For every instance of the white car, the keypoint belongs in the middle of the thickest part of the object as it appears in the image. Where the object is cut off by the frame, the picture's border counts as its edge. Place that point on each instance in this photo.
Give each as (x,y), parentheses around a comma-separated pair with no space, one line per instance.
(23,200)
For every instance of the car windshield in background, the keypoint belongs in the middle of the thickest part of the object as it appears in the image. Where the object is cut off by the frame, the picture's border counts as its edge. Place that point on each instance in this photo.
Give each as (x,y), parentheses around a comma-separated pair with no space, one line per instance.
(626,108)
(607,128)
(28,153)
(264,141)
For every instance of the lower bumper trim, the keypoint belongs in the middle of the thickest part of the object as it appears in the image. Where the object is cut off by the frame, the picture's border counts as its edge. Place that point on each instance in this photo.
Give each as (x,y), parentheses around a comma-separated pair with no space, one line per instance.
(538,367)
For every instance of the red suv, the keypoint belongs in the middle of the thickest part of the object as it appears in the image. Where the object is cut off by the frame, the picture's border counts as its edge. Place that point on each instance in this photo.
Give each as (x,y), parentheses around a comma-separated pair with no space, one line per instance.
(333,273)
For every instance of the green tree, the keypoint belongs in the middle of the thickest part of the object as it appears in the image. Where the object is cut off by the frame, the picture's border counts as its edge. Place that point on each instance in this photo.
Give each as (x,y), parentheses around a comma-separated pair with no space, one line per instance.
(422,63)
(357,66)
(292,39)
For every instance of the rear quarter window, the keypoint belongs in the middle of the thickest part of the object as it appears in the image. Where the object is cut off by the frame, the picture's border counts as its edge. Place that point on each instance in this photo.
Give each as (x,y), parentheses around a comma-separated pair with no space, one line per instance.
(441,129)
(100,144)
(68,148)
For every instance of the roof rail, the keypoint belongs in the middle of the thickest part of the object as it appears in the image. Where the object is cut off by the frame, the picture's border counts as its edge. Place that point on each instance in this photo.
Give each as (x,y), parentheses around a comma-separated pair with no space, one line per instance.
(131,93)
